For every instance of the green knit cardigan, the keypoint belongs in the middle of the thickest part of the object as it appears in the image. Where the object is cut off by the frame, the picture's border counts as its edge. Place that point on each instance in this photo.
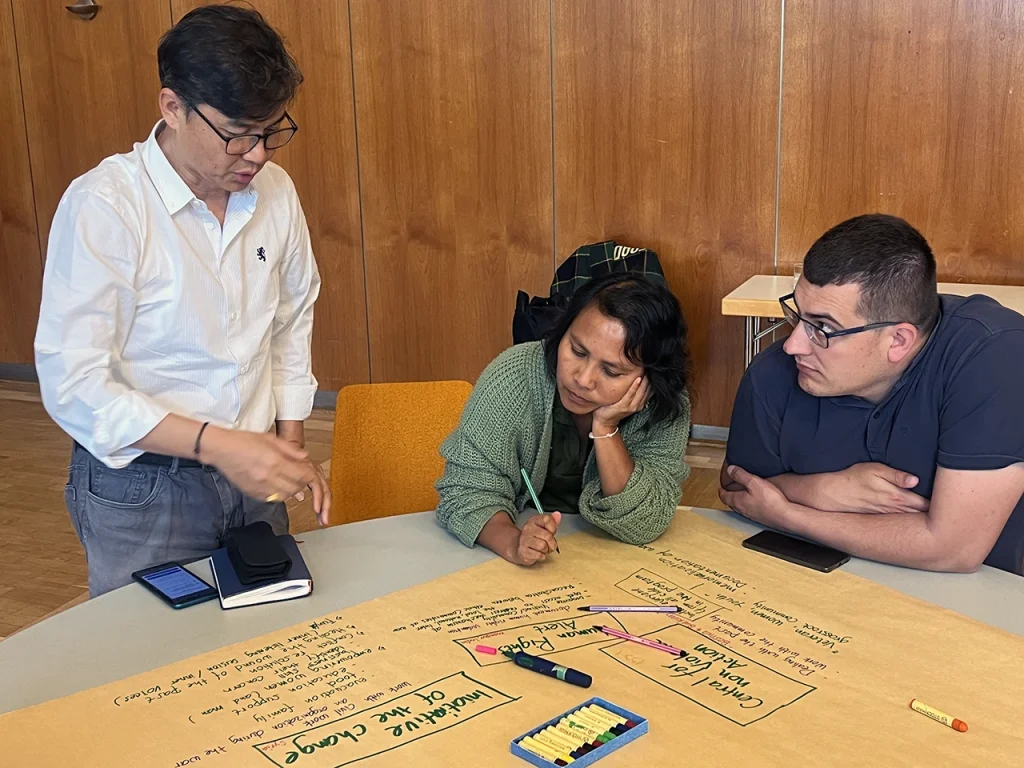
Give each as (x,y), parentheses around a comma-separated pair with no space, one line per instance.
(506,425)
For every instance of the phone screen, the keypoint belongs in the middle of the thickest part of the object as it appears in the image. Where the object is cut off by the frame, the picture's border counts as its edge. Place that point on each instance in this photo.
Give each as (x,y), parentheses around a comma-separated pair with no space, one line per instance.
(175,582)
(797,551)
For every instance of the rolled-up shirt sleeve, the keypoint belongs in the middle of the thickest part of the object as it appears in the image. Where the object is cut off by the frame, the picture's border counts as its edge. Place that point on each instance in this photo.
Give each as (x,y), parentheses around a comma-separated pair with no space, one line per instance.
(293,380)
(88,301)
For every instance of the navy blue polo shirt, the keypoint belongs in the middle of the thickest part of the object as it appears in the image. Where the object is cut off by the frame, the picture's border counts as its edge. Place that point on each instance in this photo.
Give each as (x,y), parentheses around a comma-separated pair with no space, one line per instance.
(959,405)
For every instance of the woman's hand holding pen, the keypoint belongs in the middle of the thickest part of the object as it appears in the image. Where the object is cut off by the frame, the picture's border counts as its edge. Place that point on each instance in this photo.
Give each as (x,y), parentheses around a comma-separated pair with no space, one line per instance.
(537,539)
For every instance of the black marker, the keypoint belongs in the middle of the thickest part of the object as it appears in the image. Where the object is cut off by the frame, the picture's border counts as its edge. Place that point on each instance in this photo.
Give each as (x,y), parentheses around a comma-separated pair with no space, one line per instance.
(545,667)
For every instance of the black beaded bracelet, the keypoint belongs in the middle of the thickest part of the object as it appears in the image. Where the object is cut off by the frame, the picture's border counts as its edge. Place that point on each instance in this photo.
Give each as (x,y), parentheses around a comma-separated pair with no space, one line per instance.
(200,437)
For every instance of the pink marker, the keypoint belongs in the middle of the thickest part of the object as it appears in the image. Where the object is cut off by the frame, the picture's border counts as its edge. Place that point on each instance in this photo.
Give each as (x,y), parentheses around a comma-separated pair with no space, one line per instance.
(641,640)
(487,649)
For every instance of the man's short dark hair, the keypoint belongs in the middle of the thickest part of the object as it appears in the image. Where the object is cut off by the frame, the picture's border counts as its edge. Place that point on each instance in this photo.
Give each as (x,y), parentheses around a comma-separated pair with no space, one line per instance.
(227,56)
(890,261)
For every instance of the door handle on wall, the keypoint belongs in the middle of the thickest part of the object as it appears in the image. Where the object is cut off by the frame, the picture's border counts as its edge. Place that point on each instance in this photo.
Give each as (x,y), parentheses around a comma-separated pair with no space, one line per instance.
(86,10)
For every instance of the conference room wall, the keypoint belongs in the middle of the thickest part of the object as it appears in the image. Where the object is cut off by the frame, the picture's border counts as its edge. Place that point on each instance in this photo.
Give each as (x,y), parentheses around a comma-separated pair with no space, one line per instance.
(452,152)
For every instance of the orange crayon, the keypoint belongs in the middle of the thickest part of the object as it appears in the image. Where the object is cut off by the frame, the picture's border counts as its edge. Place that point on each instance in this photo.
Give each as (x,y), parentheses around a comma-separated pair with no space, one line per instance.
(955,723)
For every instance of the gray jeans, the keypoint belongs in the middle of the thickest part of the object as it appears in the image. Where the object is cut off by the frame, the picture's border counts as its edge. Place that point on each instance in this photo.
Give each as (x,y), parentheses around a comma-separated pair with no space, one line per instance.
(143,515)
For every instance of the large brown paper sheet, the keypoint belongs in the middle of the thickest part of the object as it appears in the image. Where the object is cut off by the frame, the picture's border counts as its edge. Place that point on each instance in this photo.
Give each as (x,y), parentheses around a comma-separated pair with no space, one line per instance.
(783,666)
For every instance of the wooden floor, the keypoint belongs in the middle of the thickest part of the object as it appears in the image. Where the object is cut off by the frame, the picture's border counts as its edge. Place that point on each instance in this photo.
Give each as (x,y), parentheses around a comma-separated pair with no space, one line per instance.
(42,566)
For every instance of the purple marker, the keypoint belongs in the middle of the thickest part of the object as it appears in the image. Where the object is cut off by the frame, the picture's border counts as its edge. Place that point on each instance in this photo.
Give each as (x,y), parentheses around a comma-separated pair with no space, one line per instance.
(630,608)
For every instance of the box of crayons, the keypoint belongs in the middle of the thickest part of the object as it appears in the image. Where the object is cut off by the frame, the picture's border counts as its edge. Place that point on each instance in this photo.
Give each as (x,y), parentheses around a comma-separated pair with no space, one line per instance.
(581,736)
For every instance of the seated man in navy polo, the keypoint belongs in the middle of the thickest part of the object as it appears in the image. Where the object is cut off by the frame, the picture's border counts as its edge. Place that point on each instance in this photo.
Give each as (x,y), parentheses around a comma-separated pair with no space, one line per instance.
(890,424)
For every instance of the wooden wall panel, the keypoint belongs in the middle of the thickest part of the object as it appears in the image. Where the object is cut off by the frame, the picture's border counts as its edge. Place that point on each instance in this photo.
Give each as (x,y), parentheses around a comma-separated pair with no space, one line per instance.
(90,88)
(665,137)
(20,264)
(321,159)
(453,102)
(909,107)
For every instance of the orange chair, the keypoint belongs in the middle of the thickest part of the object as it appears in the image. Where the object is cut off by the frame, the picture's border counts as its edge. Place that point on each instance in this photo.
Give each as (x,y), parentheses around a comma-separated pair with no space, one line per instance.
(384,458)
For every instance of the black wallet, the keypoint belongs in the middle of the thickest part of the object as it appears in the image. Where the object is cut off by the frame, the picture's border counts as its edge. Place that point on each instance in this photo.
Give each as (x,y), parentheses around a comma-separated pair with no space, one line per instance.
(256,553)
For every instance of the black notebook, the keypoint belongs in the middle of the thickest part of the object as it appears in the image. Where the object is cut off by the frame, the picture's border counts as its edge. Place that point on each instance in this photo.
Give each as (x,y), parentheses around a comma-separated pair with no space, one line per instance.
(233,594)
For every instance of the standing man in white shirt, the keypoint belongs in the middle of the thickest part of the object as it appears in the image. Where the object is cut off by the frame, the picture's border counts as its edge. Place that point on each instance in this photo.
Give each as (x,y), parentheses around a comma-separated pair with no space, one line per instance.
(177,312)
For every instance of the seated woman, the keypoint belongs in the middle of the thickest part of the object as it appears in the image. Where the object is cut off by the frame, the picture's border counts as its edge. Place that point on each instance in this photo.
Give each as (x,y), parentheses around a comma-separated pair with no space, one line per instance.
(598,416)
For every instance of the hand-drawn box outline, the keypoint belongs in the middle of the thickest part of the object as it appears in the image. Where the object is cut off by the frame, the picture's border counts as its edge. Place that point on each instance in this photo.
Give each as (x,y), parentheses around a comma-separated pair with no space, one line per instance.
(598,638)
(810,688)
(318,726)
(717,607)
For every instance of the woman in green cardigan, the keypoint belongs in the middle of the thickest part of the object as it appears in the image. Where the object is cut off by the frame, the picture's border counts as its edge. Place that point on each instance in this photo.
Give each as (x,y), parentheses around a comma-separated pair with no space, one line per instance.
(598,416)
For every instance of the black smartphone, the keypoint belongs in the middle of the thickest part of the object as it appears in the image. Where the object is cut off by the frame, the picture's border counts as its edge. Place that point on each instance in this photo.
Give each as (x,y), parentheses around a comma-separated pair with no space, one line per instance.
(177,586)
(824,559)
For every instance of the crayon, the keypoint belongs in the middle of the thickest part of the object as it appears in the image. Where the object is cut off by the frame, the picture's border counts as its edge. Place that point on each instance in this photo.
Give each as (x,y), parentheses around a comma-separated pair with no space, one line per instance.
(953,722)
(574,726)
(542,750)
(527,744)
(610,717)
(598,732)
(576,735)
(551,734)
(557,743)
(583,716)
(613,715)
(615,725)
(579,740)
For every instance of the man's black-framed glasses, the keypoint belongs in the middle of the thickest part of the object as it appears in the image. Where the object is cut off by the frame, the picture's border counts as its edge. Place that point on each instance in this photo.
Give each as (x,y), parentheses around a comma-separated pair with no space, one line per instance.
(815,332)
(242,145)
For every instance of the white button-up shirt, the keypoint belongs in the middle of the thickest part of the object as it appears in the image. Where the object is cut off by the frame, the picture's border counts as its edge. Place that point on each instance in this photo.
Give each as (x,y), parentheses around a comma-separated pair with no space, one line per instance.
(149,307)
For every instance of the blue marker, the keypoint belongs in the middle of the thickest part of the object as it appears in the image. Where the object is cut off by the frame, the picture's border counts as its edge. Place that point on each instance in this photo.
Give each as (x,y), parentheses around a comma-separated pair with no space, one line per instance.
(545,667)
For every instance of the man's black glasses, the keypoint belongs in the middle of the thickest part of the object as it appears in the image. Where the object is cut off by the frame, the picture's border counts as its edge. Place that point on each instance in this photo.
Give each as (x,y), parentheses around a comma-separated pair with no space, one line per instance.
(815,332)
(242,145)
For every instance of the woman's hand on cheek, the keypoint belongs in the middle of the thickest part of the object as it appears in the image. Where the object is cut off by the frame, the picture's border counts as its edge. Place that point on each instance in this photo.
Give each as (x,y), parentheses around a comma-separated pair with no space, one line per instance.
(607,417)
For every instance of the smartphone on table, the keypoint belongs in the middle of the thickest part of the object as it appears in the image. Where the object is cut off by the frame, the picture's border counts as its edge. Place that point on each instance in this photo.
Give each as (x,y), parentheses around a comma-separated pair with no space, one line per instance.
(798,551)
(175,585)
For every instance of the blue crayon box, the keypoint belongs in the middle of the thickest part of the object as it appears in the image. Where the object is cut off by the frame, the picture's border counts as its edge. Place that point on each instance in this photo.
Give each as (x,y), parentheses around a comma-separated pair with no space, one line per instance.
(638,729)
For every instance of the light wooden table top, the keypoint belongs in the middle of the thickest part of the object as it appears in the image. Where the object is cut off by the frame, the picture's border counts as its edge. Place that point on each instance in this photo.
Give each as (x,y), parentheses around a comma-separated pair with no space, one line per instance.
(128,631)
(759,296)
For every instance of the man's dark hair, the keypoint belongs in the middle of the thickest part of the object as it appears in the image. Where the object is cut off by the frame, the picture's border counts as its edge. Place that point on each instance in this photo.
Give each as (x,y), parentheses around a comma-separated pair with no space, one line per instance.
(890,261)
(655,334)
(227,56)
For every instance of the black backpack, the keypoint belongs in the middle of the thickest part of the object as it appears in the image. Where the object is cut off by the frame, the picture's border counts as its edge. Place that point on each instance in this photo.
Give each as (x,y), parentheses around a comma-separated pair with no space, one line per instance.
(534,317)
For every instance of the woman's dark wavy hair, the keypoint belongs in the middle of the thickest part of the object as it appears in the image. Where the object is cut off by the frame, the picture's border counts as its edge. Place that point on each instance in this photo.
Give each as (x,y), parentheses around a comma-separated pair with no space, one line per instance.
(655,334)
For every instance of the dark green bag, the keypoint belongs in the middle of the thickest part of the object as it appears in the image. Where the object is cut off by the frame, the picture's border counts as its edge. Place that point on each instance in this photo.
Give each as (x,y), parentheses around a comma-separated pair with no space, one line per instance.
(534,317)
